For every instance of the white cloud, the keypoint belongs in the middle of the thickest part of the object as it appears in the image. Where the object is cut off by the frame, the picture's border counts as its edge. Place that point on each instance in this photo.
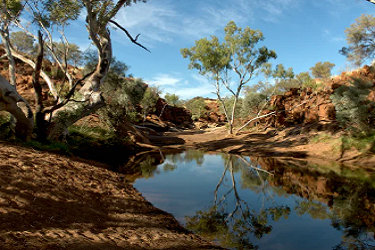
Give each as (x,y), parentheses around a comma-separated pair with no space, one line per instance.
(185,89)
(164,80)
(332,38)
(165,20)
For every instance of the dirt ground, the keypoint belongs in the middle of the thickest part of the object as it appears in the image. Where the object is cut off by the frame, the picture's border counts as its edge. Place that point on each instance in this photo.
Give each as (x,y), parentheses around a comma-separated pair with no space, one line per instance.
(50,201)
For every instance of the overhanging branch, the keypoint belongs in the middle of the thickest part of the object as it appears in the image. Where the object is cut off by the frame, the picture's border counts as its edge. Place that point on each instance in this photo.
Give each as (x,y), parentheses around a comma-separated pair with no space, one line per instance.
(68,96)
(134,40)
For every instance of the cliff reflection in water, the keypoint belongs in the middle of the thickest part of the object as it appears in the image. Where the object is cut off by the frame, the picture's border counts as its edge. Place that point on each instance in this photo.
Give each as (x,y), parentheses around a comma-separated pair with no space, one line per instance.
(282,189)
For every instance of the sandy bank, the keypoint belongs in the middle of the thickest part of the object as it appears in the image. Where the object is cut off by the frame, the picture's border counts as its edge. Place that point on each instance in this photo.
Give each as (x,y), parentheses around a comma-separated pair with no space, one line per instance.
(49,201)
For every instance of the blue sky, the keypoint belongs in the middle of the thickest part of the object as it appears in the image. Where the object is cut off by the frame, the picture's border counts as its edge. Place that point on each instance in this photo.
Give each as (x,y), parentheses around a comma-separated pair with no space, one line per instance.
(301,32)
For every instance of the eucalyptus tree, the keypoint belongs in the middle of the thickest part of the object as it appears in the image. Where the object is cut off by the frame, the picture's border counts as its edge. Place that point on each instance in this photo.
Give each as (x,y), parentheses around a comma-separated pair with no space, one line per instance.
(23,42)
(283,78)
(322,70)
(197,107)
(50,15)
(172,98)
(11,101)
(238,53)
(360,39)
(149,100)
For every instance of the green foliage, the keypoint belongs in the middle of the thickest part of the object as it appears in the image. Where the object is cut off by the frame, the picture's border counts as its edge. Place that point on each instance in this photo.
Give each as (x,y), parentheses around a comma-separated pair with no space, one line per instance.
(122,93)
(208,223)
(149,100)
(117,71)
(55,12)
(240,51)
(322,70)
(197,107)
(172,99)
(242,44)
(122,97)
(21,41)
(5,130)
(148,167)
(353,110)
(14,8)
(98,143)
(360,37)
(194,155)
(364,143)
(304,80)
(322,137)
(283,78)
(228,103)
(252,104)
(315,209)
(51,146)
(70,53)
(61,11)
(209,57)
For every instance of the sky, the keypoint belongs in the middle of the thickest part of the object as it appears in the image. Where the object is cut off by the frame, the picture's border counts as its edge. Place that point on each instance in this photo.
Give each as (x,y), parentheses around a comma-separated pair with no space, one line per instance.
(301,32)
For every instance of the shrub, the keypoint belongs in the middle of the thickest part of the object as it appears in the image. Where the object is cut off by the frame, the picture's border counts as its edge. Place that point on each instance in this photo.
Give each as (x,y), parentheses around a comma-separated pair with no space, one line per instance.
(353,109)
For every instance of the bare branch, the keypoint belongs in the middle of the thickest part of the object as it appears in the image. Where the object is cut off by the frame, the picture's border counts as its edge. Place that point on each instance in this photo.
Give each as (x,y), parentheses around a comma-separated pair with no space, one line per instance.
(256,168)
(42,73)
(272,113)
(68,96)
(129,36)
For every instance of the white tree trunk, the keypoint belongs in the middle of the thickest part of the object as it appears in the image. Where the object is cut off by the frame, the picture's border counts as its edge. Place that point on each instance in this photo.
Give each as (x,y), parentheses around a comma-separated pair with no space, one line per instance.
(92,98)
(12,102)
(45,77)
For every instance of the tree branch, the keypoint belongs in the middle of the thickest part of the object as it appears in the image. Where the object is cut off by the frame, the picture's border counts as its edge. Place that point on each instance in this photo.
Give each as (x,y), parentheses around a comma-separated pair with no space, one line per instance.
(272,113)
(68,96)
(129,36)
(42,73)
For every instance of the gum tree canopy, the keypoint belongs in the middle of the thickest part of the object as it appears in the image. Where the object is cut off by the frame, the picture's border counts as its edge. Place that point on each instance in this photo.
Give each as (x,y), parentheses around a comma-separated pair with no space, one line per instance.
(51,16)
(239,53)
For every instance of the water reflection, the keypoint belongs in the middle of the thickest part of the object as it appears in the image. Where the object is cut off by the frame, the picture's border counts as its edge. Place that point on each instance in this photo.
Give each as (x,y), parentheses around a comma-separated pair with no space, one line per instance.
(233,225)
(241,202)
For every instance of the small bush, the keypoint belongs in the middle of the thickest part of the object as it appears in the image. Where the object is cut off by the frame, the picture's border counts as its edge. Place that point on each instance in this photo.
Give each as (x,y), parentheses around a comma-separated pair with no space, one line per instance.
(321,138)
(57,147)
(5,130)
(362,142)
(354,111)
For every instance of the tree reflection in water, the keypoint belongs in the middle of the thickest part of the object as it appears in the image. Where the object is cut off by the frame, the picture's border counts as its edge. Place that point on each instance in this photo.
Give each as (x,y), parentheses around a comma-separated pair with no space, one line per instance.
(235,225)
(342,195)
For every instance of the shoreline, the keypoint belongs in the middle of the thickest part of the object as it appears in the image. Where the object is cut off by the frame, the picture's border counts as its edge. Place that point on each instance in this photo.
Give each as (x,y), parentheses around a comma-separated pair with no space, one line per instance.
(287,143)
(49,201)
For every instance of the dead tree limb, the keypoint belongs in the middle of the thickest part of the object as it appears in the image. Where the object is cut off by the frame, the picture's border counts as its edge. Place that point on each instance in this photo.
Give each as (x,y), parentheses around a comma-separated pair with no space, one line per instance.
(39,116)
(272,113)
(134,40)
(68,95)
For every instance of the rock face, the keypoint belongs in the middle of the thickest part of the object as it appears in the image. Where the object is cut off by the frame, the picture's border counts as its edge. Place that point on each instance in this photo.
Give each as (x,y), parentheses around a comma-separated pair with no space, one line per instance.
(175,115)
(306,106)
(301,107)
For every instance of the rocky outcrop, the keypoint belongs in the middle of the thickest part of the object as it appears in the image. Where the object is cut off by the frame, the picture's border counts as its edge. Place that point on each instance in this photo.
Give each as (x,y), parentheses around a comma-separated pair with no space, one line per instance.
(176,115)
(301,107)
(305,106)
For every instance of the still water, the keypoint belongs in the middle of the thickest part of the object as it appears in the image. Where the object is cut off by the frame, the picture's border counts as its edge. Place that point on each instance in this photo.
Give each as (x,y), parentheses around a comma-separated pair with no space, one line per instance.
(260,203)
